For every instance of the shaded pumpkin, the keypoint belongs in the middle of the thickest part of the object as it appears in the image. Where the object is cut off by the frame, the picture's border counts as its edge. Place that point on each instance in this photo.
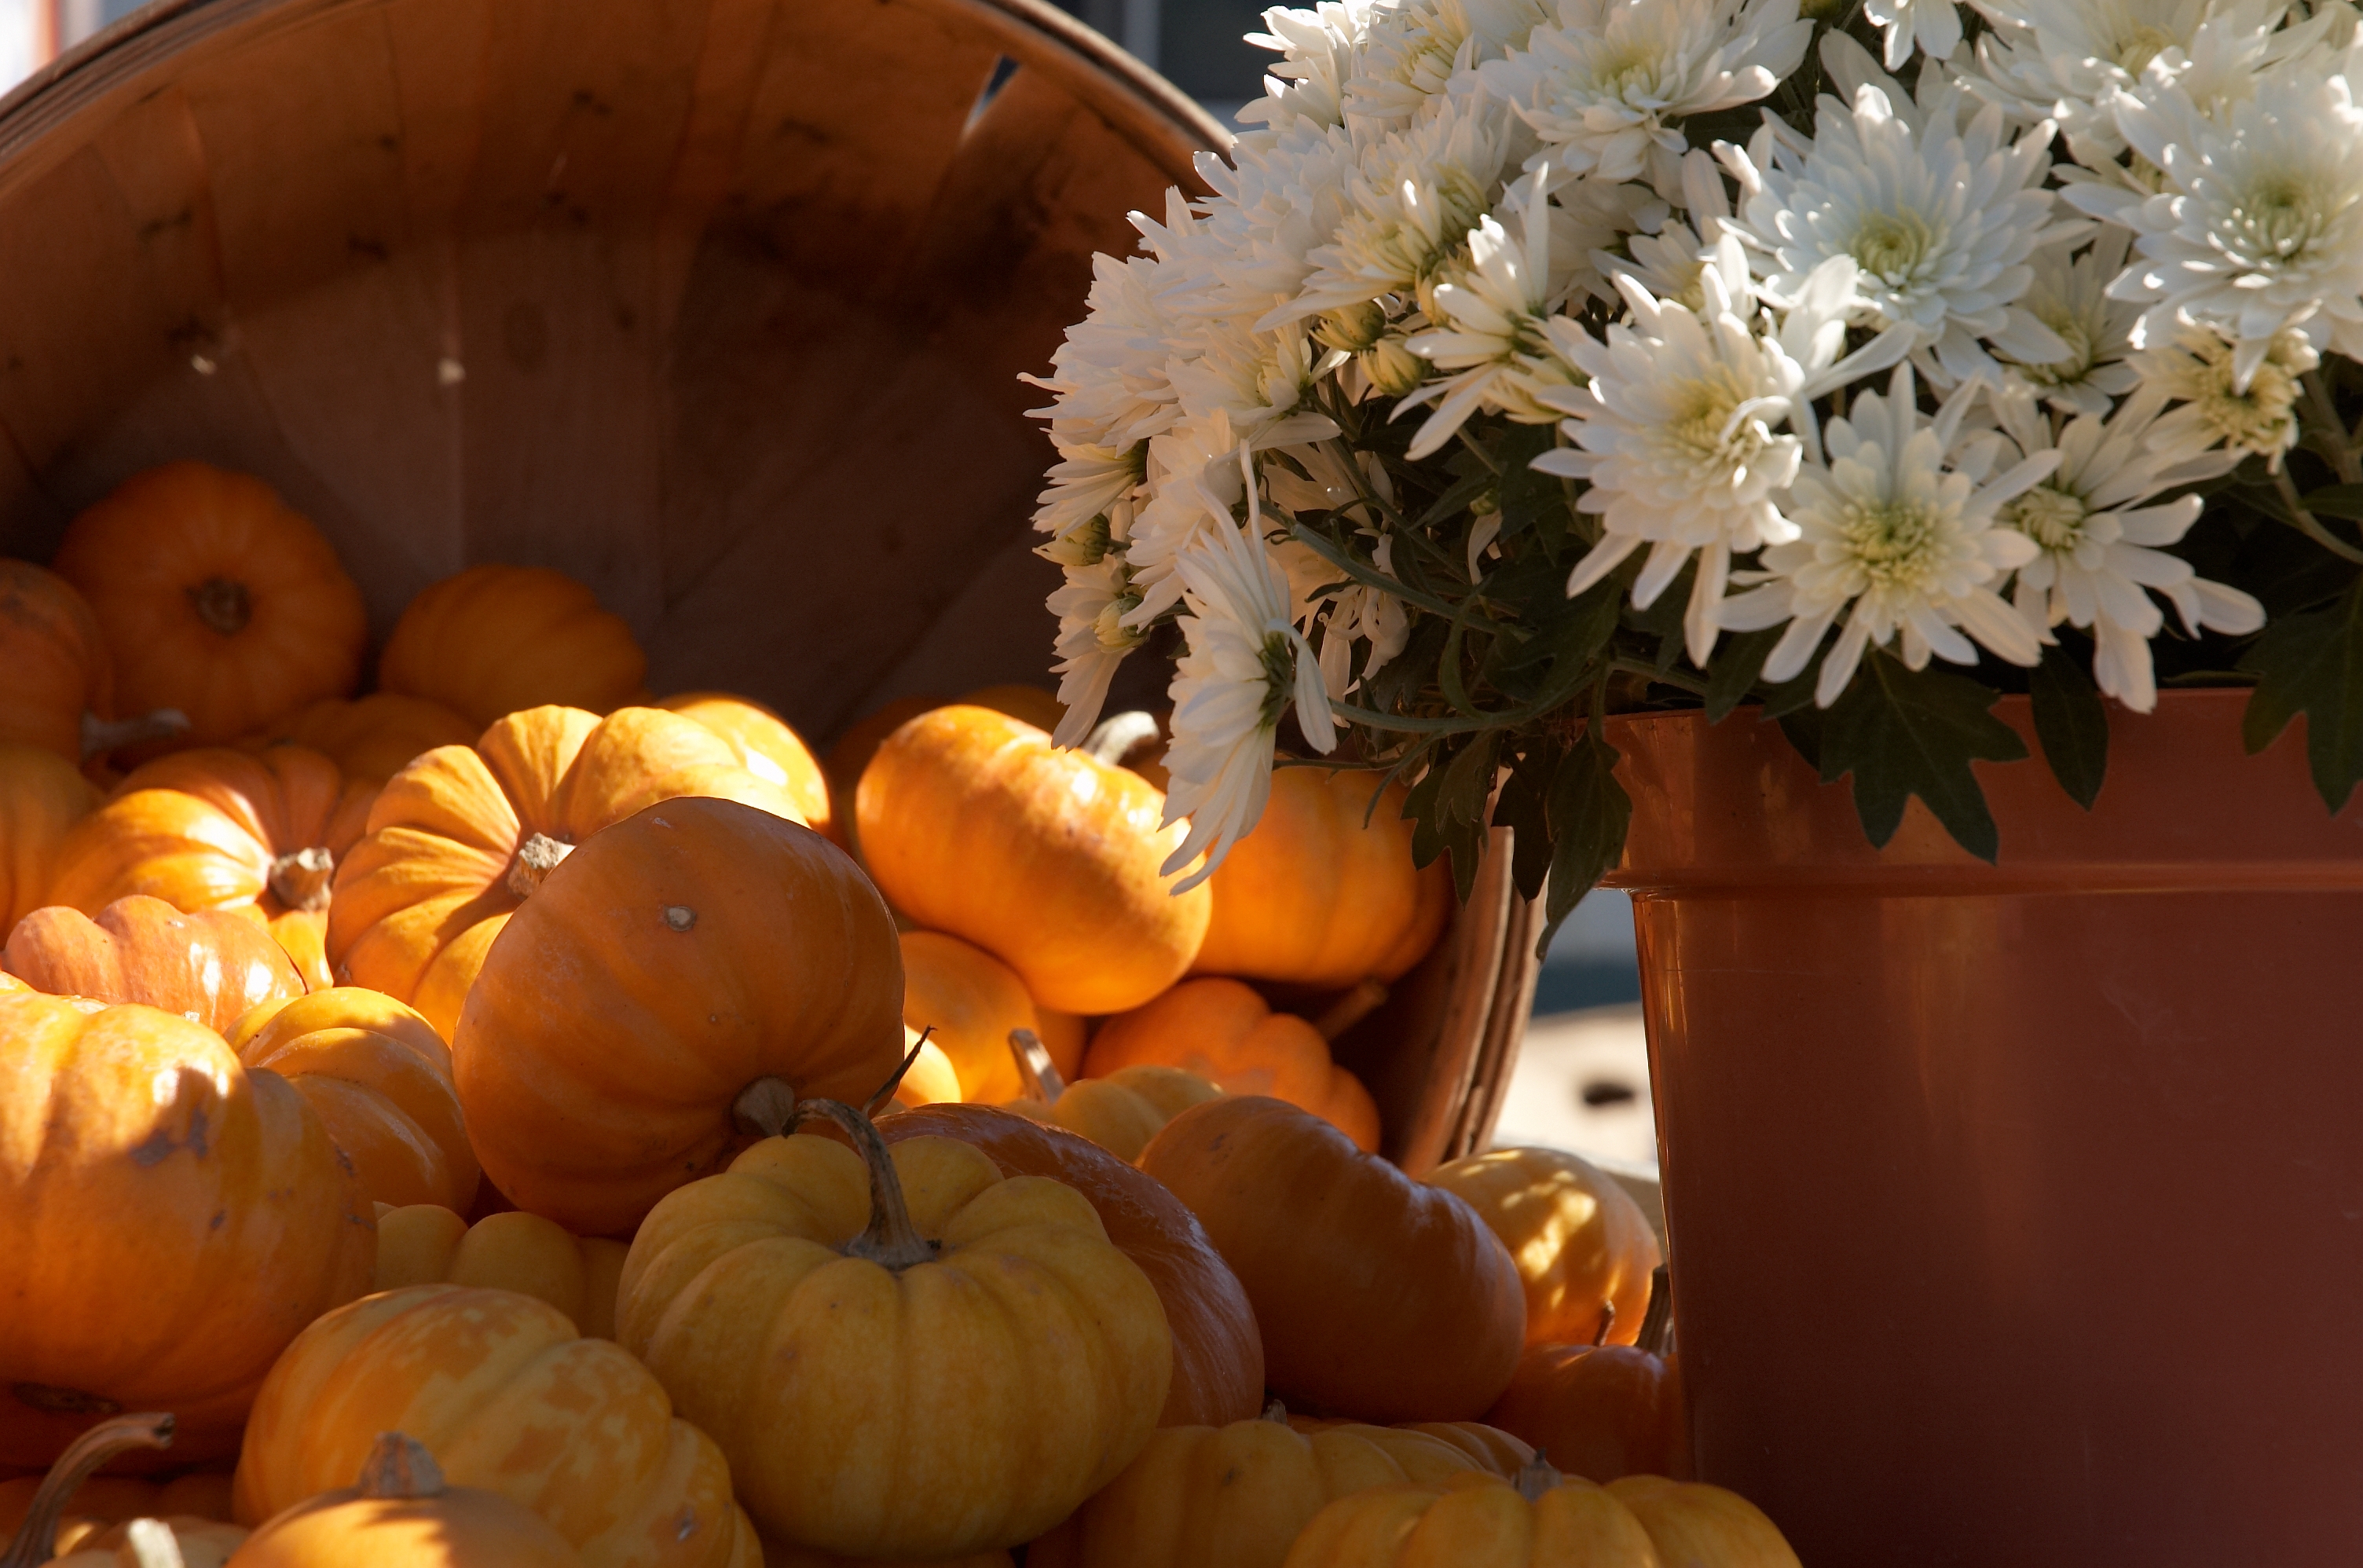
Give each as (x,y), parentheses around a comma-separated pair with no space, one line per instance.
(370,738)
(43,1515)
(43,796)
(229,1223)
(767,748)
(427,1244)
(1693,1525)
(216,597)
(1218,1371)
(460,838)
(1222,1031)
(403,1514)
(974,824)
(676,963)
(170,1541)
(211,967)
(498,639)
(380,1077)
(970,1333)
(102,1502)
(778,1556)
(1540,1521)
(969,1002)
(517,1402)
(1121,1111)
(1582,1246)
(1487,1448)
(1379,1297)
(1317,895)
(60,695)
(1603,1411)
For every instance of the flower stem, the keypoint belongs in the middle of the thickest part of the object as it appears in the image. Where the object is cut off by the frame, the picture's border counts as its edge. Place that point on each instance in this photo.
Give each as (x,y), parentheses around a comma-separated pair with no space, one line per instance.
(2311,526)
(2340,448)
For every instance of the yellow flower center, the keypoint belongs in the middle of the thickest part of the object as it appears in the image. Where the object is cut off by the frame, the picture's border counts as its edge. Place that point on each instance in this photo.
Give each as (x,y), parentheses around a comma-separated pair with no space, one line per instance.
(2052,518)
(2140,44)
(2279,217)
(1889,245)
(1895,542)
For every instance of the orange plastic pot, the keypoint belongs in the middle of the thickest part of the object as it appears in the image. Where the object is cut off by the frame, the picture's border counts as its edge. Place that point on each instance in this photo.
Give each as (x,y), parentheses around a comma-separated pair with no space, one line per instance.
(2016,1210)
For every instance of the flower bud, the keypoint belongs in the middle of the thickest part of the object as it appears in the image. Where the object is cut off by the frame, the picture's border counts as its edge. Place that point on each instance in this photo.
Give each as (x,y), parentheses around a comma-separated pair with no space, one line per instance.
(1353,329)
(1392,367)
(1083,545)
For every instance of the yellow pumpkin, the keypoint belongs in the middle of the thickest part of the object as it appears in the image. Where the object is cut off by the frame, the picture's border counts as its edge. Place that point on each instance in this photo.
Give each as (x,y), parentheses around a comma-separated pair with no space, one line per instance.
(967,1001)
(1121,1111)
(426,1244)
(403,1514)
(43,796)
(1693,1525)
(1584,1248)
(171,1540)
(930,1079)
(766,748)
(969,1365)
(1225,1033)
(33,1520)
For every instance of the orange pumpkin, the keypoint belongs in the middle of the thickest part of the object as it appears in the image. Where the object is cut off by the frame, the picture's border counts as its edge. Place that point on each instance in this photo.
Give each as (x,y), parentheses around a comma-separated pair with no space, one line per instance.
(173,1541)
(1224,1032)
(1693,1525)
(1487,1448)
(930,1079)
(970,1001)
(372,737)
(216,598)
(498,639)
(766,747)
(34,1521)
(1317,895)
(172,1219)
(460,838)
(1583,1247)
(776,1555)
(1543,1519)
(1603,1411)
(403,1514)
(975,825)
(701,951)
(517,1402)
(426,1244)
(60,694)
(1379,1297)
(1218,1368)
(1120,1112)
(210,967)
(380,1078)
(43,796)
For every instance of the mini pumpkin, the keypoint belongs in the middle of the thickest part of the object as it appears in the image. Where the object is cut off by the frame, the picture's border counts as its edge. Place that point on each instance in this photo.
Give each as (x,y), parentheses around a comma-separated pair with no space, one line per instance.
(381,1079)
(429,1244)
(225,1221)
(1541,1521)
(1222,1031)
(1120,1112)
(1603,1411)
(211,967)
(497,639)
(1217,1350)
(1693,1525)
(1486,1447)
(216,597)
(60,695)
(517,1402)
(174,1541)
(968,1001)
(975,825)
(370,738)
(766,747)
(43,796)
(103,1502)
(930,1078)
(33,1510)
(1323,892)
(460,838)
(676,963)
(402,1514)
(982,1345)
(1582,1246)
(1378,1296)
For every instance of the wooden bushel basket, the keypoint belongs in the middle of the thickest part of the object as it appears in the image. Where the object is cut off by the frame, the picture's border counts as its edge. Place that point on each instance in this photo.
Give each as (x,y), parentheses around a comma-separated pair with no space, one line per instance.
(718,305)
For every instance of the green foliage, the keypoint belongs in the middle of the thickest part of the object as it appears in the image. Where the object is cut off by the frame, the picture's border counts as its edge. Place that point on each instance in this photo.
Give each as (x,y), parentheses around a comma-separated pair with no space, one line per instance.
(2071,722)
(2312,664)
(1905,732)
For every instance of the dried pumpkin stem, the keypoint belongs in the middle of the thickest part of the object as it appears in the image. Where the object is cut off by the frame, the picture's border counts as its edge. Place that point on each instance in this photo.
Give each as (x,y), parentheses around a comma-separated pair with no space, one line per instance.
(100,736)
(1035,1069)
(399,1466)
(892,1241)
(766,1107)
(1536,1477)
(1367,998)
(301,880)
(223,604)
(536,859)
(1607,1322)
(1658,1322)
(1119,736)
(1275,1411)
(37,1538)
(885,1095)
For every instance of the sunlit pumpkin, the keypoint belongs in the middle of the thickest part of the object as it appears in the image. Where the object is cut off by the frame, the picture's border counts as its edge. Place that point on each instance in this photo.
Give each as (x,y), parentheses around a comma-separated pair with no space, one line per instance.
(43,796)
(460,838)
(1582,1246)
(172,1220)
(60,694)
(372,737)
(380,1078)
(1218,1351)
(1379,1297)
(1603,1411)
(1317,895)
(171,1540)
(975,825)
(427,1244)
(957,1337)
(515,1401)
(1121,1111)
(1222,1031)
(701,951)
(766,747)
(216,598)
(403,1514)
(211,967)
(497,639)
(930,1079)
(970,1001)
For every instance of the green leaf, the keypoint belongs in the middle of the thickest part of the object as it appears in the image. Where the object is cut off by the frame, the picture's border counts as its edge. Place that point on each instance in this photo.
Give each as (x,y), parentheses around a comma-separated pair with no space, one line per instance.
(1527,495)
(1580,630)
(1468,781)
(2072,724)
(1524,807)
(1419,809)
(1901,733)
(1663,619)
(2312,664)
(1733,671)
(2335,501)
(1589,814)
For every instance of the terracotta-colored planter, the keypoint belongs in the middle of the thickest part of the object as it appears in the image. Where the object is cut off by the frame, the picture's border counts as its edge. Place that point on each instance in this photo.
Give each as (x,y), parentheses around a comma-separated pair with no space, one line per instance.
(2016,1210)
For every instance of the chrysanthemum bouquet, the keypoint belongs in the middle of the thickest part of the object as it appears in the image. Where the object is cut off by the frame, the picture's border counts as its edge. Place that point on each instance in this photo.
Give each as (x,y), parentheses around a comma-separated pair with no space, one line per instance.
(1536,360)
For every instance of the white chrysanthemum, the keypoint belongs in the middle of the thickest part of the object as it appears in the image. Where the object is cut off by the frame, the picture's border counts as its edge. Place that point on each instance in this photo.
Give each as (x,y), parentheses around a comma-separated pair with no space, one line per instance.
(1261,381)
(1897,542)
(1668,261)
(2258,227)
(1940,222)
(1410,52)
(1109,375)
(1086,484)
(1279,195)
(2071,298)
(1092,637)
(2098,540)
(1247,662)
(1490,315)
(1316,50)
(1607,84)
(1193,486)
(1934,25)
(1356,613)
(2196,371)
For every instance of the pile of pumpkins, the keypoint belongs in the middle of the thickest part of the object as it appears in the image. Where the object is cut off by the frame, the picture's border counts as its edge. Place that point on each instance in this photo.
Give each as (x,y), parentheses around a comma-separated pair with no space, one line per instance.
(507,1118)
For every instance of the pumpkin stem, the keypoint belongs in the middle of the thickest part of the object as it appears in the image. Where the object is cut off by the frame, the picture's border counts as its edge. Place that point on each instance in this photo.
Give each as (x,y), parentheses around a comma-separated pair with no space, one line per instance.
(223,604)
(766,1107)
(1607,1323)
(1035,1068)
(1365,998)
(885,1095)
(1536,1477)
(153,1544)
(1120,735)
(37,1538)
(1276,1411)
(100,736)
(1658,1323)
(299,881)
(400,1466)
(536,859)
(892,1241)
